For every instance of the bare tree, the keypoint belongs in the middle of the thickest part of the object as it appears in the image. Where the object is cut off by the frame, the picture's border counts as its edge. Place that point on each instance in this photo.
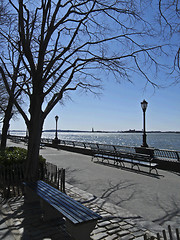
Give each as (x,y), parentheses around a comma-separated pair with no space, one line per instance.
(9,69)
(3,100)
(8,98)
(67,45)
(169,19)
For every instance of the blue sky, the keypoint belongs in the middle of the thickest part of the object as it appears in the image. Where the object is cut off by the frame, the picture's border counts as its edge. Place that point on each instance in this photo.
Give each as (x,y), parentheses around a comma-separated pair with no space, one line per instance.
(118,108)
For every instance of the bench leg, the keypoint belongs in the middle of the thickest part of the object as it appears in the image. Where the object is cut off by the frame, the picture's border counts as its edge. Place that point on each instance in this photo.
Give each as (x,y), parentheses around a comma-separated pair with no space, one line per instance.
(135,164)
(151,168)
(118,162)
(49,213)
(80,231)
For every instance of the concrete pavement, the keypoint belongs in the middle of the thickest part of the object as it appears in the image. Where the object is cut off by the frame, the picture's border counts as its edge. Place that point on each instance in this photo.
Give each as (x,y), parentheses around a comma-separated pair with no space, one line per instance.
(131,203)
(155,198)
(21,220)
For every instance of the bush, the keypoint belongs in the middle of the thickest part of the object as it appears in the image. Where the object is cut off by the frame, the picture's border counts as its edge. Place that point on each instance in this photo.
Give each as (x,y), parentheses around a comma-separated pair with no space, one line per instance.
(15,155)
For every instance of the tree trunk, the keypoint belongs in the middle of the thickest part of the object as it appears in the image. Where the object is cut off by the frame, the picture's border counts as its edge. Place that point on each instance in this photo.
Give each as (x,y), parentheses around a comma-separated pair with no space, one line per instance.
(35,131)
(7,118)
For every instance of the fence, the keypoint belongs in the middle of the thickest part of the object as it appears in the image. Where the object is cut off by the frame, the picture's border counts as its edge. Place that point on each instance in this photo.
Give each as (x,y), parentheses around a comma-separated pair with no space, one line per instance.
(162,154)
(55,176)
(12,177)
(164,235)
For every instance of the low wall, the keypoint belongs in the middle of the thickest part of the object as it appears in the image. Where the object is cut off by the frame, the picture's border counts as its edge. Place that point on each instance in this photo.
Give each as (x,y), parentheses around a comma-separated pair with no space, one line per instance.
(167,165)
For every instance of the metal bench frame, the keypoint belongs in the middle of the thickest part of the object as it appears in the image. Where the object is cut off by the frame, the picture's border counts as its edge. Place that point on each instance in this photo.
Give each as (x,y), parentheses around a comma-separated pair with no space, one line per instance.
(80,221)
(135,159)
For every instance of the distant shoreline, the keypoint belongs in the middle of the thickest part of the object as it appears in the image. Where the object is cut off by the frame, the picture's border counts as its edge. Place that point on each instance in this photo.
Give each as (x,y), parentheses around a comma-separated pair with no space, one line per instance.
(81,131)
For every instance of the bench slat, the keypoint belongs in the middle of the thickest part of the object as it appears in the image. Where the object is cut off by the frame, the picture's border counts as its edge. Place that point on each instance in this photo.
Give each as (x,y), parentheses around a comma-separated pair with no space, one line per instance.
(140,162)
(73,210)
(149,163)
(74,205)
(69,199)
(44,196)
(61,206)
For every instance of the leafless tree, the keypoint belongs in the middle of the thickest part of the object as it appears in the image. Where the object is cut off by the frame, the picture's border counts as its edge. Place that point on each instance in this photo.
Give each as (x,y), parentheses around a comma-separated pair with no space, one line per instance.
(3,100)
(8,97)
(9,68)
(169,18)
(67,45)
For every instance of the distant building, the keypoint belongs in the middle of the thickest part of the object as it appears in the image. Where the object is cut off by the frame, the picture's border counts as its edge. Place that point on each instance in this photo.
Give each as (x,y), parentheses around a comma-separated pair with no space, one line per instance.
(132,130)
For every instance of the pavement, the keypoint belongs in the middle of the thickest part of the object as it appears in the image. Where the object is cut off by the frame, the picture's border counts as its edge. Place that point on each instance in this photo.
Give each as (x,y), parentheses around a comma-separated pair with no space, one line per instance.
(21,220)
(126,200)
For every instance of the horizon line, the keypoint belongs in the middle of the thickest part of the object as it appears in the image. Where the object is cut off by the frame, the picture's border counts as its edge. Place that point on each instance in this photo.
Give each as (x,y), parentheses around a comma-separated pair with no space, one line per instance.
(104,131)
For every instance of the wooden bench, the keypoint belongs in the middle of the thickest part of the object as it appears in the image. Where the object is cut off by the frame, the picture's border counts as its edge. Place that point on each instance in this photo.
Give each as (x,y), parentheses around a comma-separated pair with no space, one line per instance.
(80,221)
(120,157)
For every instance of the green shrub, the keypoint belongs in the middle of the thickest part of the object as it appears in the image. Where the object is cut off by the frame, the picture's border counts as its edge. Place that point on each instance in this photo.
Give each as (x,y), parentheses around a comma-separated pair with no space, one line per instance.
(15,155)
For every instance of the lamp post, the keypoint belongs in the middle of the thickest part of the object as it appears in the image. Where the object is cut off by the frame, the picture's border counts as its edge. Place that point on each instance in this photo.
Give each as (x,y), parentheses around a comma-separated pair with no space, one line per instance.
(56,118)
(144,107)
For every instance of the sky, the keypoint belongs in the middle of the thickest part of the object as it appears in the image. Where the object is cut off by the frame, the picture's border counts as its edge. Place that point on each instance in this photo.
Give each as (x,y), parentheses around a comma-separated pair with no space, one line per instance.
(117,108)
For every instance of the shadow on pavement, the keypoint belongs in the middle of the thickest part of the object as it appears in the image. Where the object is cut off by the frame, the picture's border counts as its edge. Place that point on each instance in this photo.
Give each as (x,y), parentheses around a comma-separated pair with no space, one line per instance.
(25,221)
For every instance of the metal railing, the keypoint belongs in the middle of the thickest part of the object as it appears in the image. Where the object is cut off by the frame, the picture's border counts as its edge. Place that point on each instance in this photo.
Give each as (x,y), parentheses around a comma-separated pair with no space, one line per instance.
(165,154)
(162,154)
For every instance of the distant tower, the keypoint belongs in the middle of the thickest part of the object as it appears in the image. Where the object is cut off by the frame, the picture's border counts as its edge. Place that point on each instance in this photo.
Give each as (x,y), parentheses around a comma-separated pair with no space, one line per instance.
(92,129)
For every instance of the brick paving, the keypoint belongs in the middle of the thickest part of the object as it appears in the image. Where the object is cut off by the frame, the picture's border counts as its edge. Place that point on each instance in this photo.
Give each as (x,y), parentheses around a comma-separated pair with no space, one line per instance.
(24,220)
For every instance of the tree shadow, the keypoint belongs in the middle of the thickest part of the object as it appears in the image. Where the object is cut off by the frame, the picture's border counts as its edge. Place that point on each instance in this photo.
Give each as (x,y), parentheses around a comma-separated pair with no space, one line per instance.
(8,216)
(5,230)
(117,187)
(175,173)
(169,214)
(71,176)
(107,195)
(25,221)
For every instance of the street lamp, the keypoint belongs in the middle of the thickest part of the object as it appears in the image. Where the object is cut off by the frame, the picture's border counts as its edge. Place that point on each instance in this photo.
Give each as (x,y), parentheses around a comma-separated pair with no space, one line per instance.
(144,107)
(56,118)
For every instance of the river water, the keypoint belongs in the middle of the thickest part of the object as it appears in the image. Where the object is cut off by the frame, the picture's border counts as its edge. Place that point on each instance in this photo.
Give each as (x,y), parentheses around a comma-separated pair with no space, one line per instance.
(169,141)
(157,140)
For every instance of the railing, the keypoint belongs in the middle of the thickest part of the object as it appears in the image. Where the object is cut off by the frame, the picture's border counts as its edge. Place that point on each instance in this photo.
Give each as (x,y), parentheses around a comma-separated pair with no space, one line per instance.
(169,155)
(162,154)
(17,139)
(164,235)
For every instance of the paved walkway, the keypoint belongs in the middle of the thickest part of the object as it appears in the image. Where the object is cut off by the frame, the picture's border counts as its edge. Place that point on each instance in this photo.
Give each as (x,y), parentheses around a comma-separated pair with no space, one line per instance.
(21,220)
(155,198)
(106,190)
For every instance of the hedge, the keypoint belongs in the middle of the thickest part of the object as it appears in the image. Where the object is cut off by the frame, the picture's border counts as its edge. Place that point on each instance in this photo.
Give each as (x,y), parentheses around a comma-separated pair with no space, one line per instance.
(15,155)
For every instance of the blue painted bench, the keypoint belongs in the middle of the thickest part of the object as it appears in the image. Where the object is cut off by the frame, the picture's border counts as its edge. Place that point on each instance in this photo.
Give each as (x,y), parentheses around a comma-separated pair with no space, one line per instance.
(80,221)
